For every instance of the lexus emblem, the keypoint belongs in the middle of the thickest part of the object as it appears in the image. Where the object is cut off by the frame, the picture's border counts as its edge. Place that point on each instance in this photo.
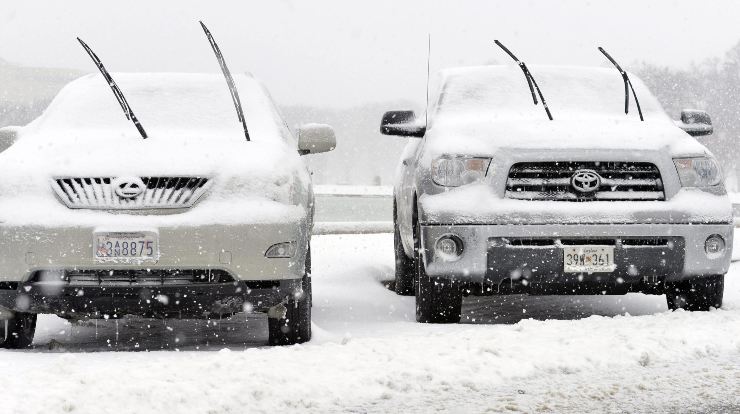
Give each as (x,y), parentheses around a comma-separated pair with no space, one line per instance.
(128,187)
(585,181)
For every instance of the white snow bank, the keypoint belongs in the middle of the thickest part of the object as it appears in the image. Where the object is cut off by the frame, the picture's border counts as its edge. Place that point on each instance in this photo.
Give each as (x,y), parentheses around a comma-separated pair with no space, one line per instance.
(369,356)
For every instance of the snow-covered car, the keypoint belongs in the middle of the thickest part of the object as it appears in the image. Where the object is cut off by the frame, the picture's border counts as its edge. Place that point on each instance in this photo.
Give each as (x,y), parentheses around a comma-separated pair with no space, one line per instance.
(187,213)
(499,195)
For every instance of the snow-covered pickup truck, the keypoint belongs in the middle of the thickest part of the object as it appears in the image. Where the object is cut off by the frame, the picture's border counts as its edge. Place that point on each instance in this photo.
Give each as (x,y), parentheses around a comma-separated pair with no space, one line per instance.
(577,196)
(194,211)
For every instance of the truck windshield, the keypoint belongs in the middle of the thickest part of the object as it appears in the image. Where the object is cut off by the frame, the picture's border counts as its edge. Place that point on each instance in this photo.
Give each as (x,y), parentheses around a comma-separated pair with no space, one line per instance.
(578,93)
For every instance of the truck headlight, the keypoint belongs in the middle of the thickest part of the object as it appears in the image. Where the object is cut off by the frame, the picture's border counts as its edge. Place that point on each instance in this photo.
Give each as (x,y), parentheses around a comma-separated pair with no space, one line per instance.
(454,171)
(698,172)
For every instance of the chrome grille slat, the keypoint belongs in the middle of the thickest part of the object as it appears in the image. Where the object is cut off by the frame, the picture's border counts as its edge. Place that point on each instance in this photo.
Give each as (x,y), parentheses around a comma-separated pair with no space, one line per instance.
(77,185)
(159,193)
(620,181)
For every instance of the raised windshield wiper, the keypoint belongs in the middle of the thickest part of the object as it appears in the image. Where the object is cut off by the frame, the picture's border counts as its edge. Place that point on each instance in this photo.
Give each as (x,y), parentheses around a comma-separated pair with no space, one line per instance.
(229,80)
(627,85)
(530,79)
(116,90)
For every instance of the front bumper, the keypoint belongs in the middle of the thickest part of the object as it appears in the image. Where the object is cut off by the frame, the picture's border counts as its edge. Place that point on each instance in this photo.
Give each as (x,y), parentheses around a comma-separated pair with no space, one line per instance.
(238,249)
(489,257)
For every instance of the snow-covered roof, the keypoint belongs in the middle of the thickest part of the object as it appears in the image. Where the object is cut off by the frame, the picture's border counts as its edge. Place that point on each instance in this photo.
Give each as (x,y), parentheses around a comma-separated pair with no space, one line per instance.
(501,91)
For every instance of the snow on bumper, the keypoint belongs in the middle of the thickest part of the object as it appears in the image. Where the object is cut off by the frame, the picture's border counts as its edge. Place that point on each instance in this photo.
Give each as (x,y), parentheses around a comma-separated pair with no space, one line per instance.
(478,204)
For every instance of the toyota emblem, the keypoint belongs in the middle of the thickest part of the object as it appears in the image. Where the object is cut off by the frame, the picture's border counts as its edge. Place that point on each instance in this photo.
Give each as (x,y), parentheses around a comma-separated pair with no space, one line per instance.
(128,187)
(585,181)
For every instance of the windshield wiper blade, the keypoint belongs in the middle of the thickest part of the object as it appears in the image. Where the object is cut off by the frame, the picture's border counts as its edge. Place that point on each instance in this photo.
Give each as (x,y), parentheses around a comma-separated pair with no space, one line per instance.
(530,79)
(116,90)
(229,80)
(627,85)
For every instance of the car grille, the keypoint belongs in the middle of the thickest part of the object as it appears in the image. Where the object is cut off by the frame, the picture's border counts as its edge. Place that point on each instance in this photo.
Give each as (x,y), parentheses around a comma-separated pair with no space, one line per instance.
(620,181)
(143,277)
(158,192)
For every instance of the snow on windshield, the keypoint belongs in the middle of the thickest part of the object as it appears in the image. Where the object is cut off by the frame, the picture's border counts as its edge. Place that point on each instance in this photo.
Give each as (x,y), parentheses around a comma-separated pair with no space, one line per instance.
(501,92)
(168,105)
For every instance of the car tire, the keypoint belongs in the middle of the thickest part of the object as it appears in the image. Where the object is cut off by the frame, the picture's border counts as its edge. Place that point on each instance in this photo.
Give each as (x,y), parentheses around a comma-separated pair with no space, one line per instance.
(18,332)
(438,299)
(697,294)
(295,326)
(404,282)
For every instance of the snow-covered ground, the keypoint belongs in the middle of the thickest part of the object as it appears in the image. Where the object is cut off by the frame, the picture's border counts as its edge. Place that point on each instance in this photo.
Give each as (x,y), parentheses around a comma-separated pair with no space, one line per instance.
(516,353)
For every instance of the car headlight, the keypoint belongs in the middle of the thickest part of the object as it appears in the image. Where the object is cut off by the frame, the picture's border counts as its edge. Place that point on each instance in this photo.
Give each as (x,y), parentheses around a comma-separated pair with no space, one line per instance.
(698,172)
(454,171)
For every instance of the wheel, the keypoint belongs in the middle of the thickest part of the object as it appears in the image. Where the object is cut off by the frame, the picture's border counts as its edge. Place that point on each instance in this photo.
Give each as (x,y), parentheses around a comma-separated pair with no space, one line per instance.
(17,333)
(404,284)
(697,294)
(295,326)
(438,300)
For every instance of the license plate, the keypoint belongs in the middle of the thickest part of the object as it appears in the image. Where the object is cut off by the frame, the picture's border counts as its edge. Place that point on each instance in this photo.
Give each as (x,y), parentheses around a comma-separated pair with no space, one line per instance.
(588,259)
(126,246)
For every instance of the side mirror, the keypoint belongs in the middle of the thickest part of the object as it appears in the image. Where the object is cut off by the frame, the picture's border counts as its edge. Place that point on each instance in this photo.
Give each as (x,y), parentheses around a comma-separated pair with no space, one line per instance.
(696,123)
(316,138)
(8,136)
(402,124)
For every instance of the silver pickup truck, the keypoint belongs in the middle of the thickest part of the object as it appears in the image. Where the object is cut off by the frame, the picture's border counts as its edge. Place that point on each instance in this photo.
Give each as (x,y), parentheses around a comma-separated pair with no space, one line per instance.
(583,194)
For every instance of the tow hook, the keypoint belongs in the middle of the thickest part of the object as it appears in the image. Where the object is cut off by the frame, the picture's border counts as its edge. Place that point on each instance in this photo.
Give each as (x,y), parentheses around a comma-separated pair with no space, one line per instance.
(277,311)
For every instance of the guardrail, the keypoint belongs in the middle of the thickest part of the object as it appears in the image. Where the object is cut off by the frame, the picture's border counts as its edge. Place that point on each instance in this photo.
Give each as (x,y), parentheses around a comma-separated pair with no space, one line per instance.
(350,209)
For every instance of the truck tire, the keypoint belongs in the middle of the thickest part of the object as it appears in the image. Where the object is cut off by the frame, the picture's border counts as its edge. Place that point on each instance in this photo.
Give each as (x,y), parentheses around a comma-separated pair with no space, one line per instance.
(697,294)
(438,299)
(295,326)
(17,333)
(404,282)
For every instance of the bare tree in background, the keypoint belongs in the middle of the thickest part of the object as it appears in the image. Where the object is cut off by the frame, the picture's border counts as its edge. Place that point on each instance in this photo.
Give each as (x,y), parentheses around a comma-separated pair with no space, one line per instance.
(713,86)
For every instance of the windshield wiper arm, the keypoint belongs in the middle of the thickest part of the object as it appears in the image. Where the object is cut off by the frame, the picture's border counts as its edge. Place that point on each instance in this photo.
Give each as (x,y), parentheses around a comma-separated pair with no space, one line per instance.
(627,85)
(530,79)
(229,80)
(116,90)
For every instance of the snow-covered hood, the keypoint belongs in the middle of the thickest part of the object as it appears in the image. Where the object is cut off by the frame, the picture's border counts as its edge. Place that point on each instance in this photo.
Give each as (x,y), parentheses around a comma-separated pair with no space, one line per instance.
(239,167)
(192,130)
(476,136)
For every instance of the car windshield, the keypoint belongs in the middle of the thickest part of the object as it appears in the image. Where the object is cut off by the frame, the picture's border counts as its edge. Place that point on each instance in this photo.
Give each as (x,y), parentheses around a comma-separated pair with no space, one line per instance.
(572,93)
(169,106)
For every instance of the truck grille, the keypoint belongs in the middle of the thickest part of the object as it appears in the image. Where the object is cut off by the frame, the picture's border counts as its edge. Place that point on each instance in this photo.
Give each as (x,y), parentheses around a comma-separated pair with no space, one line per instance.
(143,277)
(157,192)
(618,181)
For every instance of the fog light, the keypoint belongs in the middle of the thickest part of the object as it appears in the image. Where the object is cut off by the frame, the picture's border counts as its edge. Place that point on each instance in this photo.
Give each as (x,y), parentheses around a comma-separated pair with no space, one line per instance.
(282,250)
(448,248)
(715,244)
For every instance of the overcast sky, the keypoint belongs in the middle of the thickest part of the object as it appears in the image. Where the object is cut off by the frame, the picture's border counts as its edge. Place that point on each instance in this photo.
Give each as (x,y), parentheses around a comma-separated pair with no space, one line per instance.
(343,53)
